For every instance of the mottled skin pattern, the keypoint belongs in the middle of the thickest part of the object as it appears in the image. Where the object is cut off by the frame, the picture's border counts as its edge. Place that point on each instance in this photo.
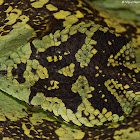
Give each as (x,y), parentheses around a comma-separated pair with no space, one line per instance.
(66,58)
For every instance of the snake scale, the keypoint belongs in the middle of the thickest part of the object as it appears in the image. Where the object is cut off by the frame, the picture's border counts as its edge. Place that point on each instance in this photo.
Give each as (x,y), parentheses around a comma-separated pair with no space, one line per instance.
(67,71)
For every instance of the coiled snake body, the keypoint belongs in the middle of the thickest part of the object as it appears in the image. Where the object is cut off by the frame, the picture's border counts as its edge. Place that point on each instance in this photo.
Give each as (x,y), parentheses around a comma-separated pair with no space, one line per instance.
(66,58)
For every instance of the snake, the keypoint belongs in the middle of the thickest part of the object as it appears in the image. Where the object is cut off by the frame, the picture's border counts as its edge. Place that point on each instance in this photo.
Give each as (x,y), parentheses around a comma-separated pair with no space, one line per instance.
(68,71)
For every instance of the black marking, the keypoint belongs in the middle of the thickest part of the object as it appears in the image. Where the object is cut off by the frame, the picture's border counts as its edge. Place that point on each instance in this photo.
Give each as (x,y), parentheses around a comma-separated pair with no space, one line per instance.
(32,132)
(97,101)
(28,125)
(131,31)
(34,52)
(33,71)
(109,72)
(70,99)
(3,72)
(19,72)
(102,45)
(14,129)
(73,44)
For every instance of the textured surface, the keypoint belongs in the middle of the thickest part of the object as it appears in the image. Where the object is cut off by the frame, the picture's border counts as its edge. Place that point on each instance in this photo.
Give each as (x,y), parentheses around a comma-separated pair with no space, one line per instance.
(70,60)
(17,122)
